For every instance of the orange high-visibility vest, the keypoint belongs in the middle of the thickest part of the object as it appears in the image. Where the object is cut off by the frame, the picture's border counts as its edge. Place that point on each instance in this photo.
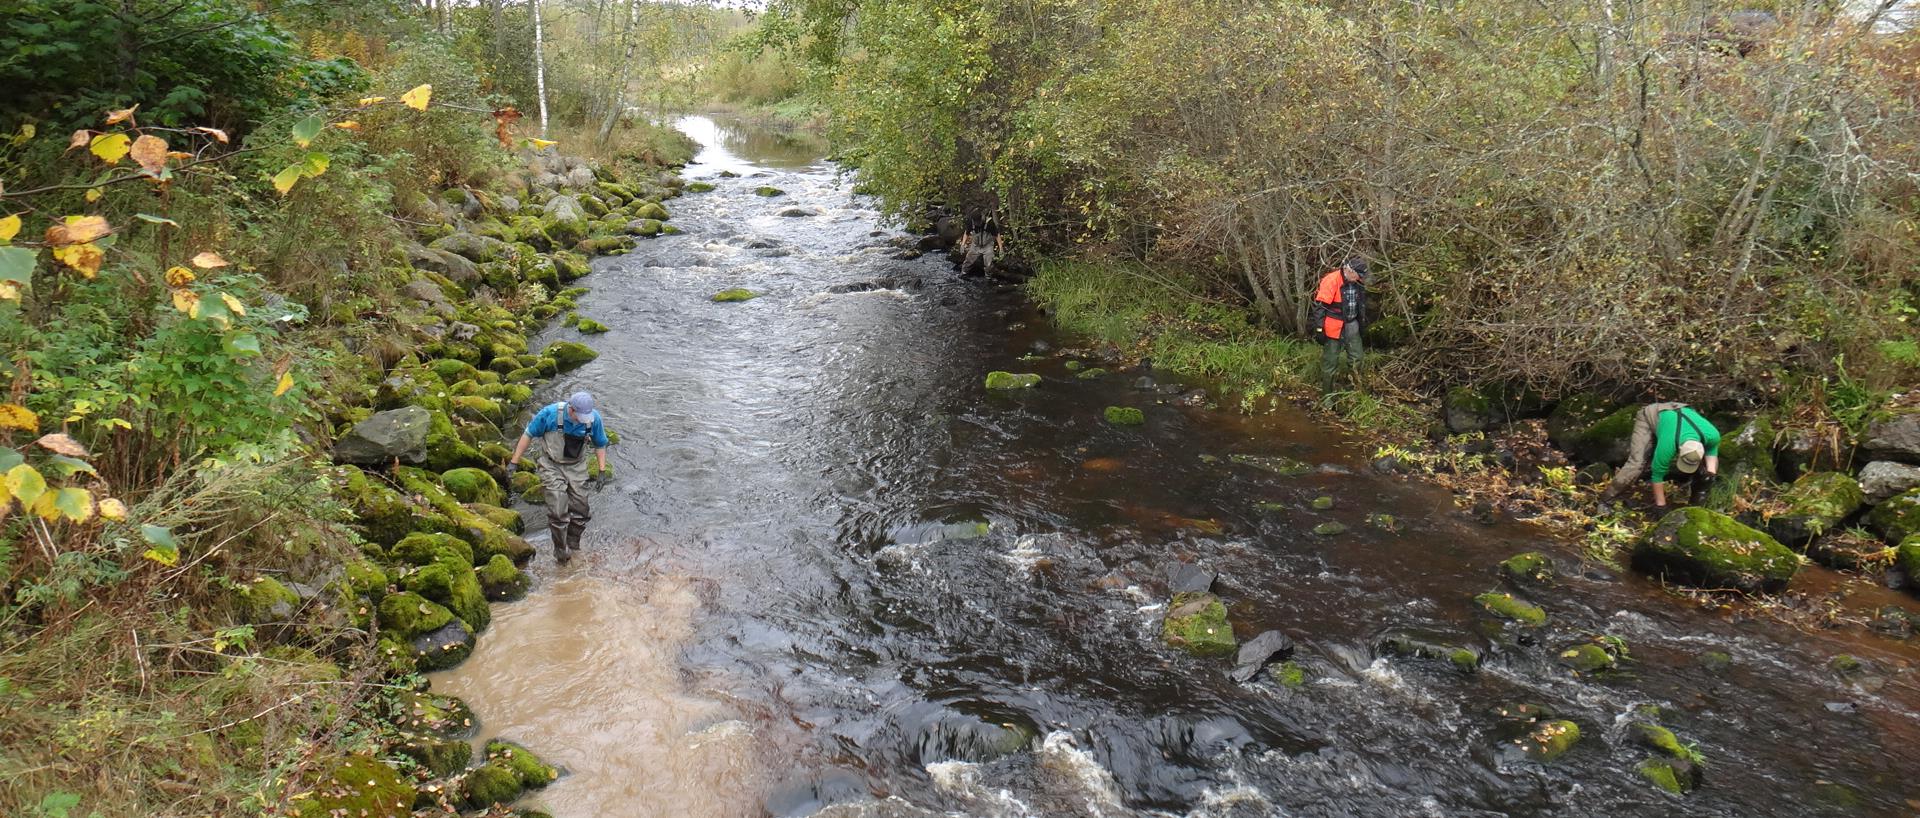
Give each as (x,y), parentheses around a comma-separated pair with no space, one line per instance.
(1328,297)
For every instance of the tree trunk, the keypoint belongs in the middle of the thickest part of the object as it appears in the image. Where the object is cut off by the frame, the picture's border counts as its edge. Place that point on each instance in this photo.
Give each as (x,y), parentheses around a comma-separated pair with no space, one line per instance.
(540,67)
(626,66)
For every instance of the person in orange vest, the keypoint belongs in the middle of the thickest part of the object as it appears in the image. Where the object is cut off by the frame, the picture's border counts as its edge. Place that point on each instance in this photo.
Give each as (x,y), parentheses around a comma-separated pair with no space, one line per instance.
(1338,304)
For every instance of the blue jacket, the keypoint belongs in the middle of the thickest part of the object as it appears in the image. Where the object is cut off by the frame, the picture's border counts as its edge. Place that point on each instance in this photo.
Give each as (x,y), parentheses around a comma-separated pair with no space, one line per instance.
(555,414)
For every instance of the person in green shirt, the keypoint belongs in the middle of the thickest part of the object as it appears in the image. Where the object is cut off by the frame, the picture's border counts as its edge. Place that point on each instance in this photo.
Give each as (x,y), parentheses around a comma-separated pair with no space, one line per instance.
(1678,441)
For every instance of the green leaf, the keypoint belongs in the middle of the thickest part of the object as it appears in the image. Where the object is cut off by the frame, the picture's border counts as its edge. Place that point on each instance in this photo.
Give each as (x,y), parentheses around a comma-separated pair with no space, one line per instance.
(16,264)
(74,504)
(242,343)
(165,550)
(211,310)
(306,129)
(9,458)
(317,163)
(65,466)
(152,219)
(25,484)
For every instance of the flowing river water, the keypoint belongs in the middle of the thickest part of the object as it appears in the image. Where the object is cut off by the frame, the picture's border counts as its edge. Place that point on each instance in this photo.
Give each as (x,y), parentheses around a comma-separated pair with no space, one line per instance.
(789,605)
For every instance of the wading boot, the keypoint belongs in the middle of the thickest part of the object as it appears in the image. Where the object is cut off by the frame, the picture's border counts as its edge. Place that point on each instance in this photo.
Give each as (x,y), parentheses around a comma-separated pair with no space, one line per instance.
(576,534)
(561,553)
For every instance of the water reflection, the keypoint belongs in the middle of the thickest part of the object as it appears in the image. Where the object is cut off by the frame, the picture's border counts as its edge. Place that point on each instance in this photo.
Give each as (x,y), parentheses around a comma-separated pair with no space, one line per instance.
(731,144)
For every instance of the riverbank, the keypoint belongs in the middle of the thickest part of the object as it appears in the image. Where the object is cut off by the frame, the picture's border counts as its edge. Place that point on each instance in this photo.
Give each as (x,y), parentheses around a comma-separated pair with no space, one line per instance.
(1510,454)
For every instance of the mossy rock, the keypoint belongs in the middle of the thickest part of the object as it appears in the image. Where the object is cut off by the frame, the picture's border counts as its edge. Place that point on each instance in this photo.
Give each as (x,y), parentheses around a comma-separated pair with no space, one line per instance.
(455,585)
(1124,415)
(1674,776)
(1289,674)
(503,517)
(1091,374)
(1663,741)
(1588,658)
(474,407)
(1817,503)
(445,448)
(406,614)
(418,711)
(568,356)
(1384,521)
(523,375)
(501,580)
(768,191)
(489,784)
(452,371)
(1467,409)
(360,787)
(541,312)
(645,227)
(700,187)
(527,484)
(1007,380)
(473,486)
(1422,646)
(651,210)
(605,245)
(443,648)
(264,600)
(1074,366)
(588,326)
(422,548)
(515,394)
(1898,518)
(440,757)
(381,514)
(365,578)
(1197,623)
(1531,567)
(532,772)
(1708,549)
(1507,607)
(1330,528)
(733,295)
(1551,739)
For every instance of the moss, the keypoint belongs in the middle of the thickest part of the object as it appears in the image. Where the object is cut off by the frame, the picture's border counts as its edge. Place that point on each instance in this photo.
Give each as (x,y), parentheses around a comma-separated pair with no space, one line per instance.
(1323,503)
(264,600)
(425,549)
(1507,607)
(515,394)
(431,714)
(1551,739)
(733,294)
(1423,646)
(1125,416)
(1665,742)
(438,756)
(505,518)
(1816,504)
(1197,623)
(472,486)
(1073,366)
(1716,660)
(1092,374)
(1329,529)
(1290,675)
(446,450)
(1587,658)
(357,786)
(501,581)
(1464,659)
(406,614)
(605,245)
(475,407)
(768,191)
(453,584)
(526,483)
(700,187)
(1709,549)
(366,579)
(567,355)
(588,326)
(532,772)
(1531,566)
(451,371)
(1007,380)
(651,210)
(1898,518)
(1662,774)
(381,514)
(525,374)
(489,784)
(1384,522)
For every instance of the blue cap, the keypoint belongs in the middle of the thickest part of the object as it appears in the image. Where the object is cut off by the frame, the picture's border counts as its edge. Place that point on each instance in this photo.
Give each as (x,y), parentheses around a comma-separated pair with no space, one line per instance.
(582,404)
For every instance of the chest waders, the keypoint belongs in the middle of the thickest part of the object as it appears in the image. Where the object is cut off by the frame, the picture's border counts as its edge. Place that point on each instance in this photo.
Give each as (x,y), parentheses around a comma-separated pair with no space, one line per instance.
(563,477)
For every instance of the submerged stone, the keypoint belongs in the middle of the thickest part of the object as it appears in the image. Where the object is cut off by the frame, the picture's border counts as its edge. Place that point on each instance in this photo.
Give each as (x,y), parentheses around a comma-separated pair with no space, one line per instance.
(1384,522)
(1551,740)
(1587,658)
(734,294)
(1323,502)
(1531,566)
(1420,646)
(440,649)
(1259,651)
(1283,466)
(1090,374)
(1329,529)
(1507,607)
(768,191)
(1007,380)
(1197,623)
(1125,416)
(1711,550)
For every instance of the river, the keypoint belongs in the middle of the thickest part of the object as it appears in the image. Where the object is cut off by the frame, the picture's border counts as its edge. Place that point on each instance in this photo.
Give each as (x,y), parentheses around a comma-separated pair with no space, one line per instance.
(789,605)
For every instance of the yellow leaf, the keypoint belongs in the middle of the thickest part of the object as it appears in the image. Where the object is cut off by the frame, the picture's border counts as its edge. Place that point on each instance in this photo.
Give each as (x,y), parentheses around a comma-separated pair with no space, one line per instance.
(179,276)
(185,300)
(366,101)
(112,509)
(28,131)
(78,230)
(60,443)
(9,291)
(94,194)
(347,125)
(234,304)
(83,258)
(287,178)
(9,227)
(15,416)
(25,484)
(286,383)
(417,98)
(208,260)
(80,139)
(111,147)
(151,153)
(122,115)
(541,144)
(47,505)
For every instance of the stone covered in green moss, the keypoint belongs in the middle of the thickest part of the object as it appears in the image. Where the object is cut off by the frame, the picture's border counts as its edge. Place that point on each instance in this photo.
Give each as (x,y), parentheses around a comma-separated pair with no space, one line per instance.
(588,326)
(1124,415)
(1708,549)
(438,756)
(447,450)
(1423,646)
(1666,774)
(651,210)
(381,514)
(501,516)
(1816,505)
(1323,503)
(1330,528)
(768,191)
(699,187)
(1531,566)
(1662,740)
(1592,429)
(1507,607)
(1898,518)
(489,784)
(532,772)
(567,355)
(406,614)
(423,548)
(1551,740)
(472,486)
(501,580)
(264,600)
(1587,658)
(1090,374)
(453,584)
(1289,674)
(734,294)
(431,714)
(360,787)
(998,379)
(1197,623)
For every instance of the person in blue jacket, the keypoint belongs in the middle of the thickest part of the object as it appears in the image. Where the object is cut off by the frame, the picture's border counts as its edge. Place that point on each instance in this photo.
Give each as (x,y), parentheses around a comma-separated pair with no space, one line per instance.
(565,430)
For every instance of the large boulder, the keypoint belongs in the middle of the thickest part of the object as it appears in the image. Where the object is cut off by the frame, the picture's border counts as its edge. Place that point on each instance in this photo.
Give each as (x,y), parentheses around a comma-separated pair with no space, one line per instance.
(1882,479)
(1705,548)
(458,269)
(470,485)
(406,615)
(1816,505)
(568,355)
(474,248)
(1198,624)
(1592,429)
(358,786)
(454,584)
(1897,438)
(396,433)
(443,648)
(1898,518)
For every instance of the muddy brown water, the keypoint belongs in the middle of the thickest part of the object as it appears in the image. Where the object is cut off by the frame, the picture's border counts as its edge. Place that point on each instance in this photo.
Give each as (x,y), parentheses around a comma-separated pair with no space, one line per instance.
(784,608)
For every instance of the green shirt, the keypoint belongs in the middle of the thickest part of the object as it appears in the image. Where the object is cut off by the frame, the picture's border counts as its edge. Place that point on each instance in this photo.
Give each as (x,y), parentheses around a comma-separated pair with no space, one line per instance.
(1677,427)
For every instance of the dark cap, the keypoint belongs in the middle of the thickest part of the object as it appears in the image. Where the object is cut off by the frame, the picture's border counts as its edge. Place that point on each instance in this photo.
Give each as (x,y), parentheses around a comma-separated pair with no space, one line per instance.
(1358,265)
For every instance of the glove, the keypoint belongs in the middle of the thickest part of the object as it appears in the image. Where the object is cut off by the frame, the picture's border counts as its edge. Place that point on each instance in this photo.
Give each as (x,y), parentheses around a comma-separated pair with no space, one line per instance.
(512,466)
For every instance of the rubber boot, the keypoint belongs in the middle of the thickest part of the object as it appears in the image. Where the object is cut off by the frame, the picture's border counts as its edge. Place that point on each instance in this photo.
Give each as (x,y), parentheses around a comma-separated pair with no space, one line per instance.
(561,551)
(576,534)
